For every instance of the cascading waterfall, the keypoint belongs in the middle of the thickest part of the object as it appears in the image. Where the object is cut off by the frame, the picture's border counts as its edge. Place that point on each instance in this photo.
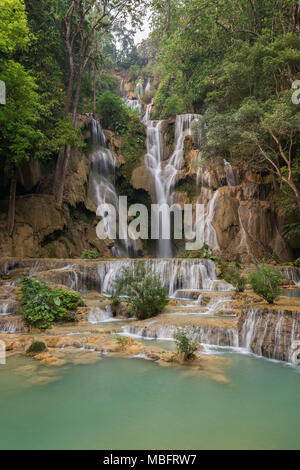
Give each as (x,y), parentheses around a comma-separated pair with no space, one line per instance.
(210,235)
(275,334)
(122,86)
(102,188)
(135,105)
(292,274)
(147,116)
(230,176)
(148,86)
(100,315)
(165,176)
(174,273)
(139,90)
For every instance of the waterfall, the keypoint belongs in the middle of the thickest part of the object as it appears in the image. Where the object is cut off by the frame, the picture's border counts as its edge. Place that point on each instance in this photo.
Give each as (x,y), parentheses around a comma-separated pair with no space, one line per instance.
(102,186)
(207,335)
(274,334)
(230,177)
(12,324)
(148,86)
(210,234)
(293,274)
(175,274)
(139,90)
(135,105)
(99,315)
(182,130)
(148,112)
(165,176)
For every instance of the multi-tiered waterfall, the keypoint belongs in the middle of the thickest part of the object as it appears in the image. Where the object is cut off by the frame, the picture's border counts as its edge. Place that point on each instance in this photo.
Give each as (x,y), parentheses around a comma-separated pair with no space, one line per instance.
(102,188)
(164,173)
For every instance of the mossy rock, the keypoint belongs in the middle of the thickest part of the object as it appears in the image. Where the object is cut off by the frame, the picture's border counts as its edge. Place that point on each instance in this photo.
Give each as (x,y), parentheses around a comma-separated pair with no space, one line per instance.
(36,347)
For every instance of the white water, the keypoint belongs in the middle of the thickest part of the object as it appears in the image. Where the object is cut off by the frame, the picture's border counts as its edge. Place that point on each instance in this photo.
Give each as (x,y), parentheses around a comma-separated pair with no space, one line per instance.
(165,175)
(293,274)
(148,86)
(139,90)
(269,335)
(99,315)
(3,309)
(230,176)
(274,335)
(135,105)
(175,273)
(147,116)
(102,187)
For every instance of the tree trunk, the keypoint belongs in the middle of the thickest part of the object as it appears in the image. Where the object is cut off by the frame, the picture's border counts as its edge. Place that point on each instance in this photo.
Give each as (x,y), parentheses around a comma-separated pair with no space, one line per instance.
(62,169)
(77,95)
(168,15)
(70,91)
(94,88)
(12,203)
(58,192)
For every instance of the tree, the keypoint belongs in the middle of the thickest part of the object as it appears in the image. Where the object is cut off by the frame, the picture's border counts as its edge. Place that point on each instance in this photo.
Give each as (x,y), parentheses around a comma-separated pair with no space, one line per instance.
(19,115)
(145,291)
(184,344)
(82,22)
(265,282)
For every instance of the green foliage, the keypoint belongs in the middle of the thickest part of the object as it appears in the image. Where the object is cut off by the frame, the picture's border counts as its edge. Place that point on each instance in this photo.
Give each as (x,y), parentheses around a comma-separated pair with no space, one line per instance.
(18,118)
(134,144)
(144,290)
(265,282)
(297,263)
(14,32)
(108,82)
(134,72)
(42,306)
(36,347)
(118,117)
(112,111)
(234,277)
(173,106)
(205,253)
(291,229)
(184,344)
(89,254)
(235,65)
(123,341)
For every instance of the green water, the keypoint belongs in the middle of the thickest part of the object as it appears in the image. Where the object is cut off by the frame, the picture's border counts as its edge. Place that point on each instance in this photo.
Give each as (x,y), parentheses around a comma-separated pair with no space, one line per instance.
(132,404)
(291,292)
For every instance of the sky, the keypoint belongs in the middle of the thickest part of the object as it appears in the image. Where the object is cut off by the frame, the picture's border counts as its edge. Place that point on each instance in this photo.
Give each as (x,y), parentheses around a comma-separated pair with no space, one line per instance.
(141,35)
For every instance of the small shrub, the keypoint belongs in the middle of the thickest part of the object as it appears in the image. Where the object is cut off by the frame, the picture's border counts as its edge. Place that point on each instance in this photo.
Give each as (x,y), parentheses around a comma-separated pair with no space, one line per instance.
(42,306)
(123,341)
(265,282)
(184,345)
(297,263)
(234,277)
(145,291)
(89,254)
(36,347)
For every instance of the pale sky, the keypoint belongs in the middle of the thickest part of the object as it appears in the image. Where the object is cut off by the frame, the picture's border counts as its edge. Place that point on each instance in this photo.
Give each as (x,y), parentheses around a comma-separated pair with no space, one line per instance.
(141,35)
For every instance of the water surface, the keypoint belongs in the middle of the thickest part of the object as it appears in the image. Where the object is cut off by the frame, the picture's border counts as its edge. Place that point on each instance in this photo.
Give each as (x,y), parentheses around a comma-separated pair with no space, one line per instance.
(134,404)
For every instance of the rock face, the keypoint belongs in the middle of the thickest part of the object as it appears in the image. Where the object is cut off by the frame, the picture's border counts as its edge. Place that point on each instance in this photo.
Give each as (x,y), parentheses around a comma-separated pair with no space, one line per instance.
(242,221)
(271,332)
(37,217)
